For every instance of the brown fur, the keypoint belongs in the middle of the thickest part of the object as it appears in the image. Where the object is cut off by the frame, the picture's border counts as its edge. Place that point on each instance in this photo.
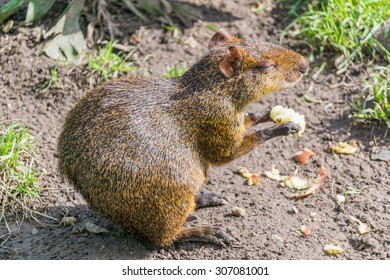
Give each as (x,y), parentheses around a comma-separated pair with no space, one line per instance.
(138,148)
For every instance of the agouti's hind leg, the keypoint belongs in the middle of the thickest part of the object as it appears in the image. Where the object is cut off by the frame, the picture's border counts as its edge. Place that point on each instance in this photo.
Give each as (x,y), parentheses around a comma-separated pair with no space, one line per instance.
(208,199)
(206,234)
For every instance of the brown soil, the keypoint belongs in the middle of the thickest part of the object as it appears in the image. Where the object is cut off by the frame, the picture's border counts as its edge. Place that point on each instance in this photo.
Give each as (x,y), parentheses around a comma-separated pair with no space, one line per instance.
(270,229)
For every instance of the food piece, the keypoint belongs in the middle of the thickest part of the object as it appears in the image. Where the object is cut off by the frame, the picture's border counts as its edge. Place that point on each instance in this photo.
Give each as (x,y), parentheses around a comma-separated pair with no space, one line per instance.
(344,148)
(362,228)
(305,230)
(274,174)
(297,183)
(253,180)
(280,114)
(306,186)
(244,172)
(340,198)
(333,249)
(313,216)
(303,156)
(317,183)
(238,212)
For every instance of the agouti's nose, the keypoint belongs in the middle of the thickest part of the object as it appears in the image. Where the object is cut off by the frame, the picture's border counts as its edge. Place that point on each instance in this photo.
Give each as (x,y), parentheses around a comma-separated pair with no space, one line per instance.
(303,66)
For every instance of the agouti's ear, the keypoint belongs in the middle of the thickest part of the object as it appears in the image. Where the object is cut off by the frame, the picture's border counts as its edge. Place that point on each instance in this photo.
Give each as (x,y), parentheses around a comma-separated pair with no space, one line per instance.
(221,37)
(230,65)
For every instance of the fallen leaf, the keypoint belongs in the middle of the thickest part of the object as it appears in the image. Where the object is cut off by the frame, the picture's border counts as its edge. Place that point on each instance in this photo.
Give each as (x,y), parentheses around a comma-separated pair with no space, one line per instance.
(7,26)
(37,9)
(333,249)
(69,40)
(344,148)
(91,227)
(383,155)
(303,156)
(9,8)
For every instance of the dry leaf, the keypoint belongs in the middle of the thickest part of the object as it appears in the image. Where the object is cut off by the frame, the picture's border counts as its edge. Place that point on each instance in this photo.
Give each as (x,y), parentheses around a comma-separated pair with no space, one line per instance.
(91,227)
(383,155)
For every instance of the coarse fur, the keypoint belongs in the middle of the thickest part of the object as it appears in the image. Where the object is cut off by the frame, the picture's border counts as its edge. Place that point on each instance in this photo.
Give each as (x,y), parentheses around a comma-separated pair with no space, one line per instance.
(138,148)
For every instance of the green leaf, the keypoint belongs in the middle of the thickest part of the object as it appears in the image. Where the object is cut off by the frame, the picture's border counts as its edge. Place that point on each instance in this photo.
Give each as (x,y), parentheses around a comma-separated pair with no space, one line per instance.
(9,8)
(37,9)
(69,41)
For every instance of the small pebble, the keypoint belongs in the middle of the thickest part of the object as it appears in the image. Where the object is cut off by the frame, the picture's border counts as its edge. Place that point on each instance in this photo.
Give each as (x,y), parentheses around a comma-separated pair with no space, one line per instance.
(68,221)
(238,212)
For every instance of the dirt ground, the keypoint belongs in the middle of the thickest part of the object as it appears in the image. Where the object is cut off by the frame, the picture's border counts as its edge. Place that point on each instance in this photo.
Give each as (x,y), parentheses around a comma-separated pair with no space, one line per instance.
(271,227)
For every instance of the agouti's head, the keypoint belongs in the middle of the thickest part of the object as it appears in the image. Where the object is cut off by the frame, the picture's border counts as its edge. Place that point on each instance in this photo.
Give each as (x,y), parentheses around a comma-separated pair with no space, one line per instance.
(257,67)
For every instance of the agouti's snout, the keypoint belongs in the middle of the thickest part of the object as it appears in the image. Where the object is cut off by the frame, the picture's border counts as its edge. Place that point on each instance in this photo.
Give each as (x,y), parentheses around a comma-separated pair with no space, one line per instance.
(303,66)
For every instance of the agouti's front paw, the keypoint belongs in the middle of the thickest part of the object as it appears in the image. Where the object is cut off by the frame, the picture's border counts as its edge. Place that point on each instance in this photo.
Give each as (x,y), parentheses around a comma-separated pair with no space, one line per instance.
(283,129)
(286,129)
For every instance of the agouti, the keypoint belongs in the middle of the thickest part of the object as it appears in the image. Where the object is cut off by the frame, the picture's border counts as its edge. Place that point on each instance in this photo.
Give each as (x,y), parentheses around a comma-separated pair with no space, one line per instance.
(138,148)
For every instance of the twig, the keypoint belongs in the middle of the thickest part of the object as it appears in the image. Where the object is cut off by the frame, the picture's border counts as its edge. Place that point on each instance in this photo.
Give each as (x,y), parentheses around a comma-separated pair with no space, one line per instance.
(343,84)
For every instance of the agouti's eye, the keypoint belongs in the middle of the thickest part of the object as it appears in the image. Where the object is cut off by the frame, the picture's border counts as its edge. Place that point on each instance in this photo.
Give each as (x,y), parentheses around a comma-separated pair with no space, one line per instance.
(265,66)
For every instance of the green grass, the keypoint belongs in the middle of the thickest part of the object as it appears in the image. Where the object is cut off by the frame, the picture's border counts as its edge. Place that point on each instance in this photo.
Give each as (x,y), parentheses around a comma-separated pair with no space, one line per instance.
(344,28)
(176,70)
(19,185)
(53,81)
(374,104)
(109,64)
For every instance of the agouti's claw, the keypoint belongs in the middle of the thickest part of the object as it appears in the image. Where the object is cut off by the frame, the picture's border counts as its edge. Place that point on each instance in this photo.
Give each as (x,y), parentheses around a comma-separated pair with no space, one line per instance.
(288,128)
(207,234)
